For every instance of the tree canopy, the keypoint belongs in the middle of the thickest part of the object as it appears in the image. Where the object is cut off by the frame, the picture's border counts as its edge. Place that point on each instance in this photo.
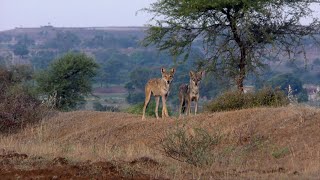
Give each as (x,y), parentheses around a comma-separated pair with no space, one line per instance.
(236,36)
(68,80)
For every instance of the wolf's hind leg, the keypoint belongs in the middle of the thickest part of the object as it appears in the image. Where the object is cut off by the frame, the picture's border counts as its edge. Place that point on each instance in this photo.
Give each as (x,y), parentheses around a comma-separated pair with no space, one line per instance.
(146,102)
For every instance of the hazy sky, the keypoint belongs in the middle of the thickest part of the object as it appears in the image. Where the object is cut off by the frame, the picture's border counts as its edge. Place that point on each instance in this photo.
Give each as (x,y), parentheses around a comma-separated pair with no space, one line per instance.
(76,13)
(72,13)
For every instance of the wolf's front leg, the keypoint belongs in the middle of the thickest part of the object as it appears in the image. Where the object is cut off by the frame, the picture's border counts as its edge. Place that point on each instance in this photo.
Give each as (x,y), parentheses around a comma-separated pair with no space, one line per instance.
(157,106)
(196,107)
(181,106)
(189,107)
(164,107)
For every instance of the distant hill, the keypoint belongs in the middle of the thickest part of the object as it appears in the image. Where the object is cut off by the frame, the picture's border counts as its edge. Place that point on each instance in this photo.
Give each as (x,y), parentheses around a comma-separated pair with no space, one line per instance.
(39,46)
(97,39)
(47,32)
(60,40)
(119,52)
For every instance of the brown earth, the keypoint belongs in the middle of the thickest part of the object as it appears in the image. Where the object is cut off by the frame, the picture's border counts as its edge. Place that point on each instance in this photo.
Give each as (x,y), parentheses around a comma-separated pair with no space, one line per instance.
(259,143)
(20,166)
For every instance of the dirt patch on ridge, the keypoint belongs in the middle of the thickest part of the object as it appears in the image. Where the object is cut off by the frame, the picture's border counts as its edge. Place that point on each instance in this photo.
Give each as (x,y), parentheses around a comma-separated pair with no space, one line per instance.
(20,166)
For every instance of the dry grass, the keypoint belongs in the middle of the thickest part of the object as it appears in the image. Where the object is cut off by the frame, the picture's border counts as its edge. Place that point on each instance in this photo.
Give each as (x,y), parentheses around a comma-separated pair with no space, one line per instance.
(257,143)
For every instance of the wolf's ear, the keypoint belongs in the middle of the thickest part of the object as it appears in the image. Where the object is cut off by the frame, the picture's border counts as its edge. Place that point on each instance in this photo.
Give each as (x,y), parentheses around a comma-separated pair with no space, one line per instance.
(173,70)
(163,70)
(191,73)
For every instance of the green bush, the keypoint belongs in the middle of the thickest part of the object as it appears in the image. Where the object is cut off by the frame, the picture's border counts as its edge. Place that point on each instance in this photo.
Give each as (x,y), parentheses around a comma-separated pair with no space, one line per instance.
(68,79)
(195,148)
(97,106)
(137,109)
(233,100)
(267,97)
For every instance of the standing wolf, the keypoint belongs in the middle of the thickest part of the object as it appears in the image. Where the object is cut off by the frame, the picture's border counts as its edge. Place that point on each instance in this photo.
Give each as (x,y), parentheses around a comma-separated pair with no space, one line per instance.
(189,93)
(158,87)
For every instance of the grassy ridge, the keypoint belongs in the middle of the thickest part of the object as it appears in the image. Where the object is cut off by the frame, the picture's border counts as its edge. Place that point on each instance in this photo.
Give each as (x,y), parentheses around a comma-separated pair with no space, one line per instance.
(285,137)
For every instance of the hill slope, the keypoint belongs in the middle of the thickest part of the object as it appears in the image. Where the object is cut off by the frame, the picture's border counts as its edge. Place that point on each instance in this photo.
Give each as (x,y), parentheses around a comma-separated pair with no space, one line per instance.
(259,143)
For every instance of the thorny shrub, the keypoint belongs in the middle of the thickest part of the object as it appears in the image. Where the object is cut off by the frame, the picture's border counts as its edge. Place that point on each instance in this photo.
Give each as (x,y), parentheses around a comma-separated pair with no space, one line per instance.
(18,105)
(195,148)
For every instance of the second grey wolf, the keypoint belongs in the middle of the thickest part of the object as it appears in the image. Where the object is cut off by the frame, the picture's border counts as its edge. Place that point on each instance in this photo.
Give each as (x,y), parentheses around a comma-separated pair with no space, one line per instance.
(190,92)
(158,87)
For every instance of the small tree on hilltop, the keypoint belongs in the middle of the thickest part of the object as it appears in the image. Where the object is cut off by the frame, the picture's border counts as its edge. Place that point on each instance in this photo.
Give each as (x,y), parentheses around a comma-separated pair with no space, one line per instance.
(236,35)
(68,79)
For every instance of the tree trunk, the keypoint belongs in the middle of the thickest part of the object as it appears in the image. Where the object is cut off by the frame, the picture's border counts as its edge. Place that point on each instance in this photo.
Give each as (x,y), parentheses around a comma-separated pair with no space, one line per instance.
(242,69)
(242,47)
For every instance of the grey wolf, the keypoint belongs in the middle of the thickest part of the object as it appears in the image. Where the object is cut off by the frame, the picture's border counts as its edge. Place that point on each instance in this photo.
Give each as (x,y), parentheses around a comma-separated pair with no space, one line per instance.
(190,92)
(159,87)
